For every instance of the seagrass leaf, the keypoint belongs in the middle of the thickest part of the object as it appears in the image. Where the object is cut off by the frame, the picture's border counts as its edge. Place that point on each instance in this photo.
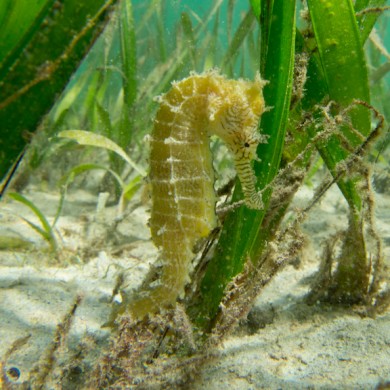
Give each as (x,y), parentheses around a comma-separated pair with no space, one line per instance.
(19,21)
(345,72)
(239,238)
(256,7)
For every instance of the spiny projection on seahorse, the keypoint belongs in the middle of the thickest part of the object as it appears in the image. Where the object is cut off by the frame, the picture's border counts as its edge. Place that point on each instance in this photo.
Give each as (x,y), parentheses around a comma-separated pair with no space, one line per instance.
(181,170)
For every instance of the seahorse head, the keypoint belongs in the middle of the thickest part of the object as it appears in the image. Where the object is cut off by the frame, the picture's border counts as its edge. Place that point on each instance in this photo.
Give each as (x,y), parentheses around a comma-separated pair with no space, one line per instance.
(234,114)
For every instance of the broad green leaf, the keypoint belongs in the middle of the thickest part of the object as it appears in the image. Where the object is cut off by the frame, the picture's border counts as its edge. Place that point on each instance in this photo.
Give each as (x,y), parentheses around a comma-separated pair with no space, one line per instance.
(315,87)
(105,119)
(240,238)
(341,54)
(345,72)
(19,20)
(256,7)
(43,61)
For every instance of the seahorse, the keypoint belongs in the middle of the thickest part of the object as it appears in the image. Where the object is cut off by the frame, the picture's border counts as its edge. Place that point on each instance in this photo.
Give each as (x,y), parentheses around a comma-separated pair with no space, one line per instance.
(181,171)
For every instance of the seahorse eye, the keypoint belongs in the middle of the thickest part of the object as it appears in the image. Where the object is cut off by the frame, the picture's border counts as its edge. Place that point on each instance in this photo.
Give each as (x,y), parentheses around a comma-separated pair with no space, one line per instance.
(246,144)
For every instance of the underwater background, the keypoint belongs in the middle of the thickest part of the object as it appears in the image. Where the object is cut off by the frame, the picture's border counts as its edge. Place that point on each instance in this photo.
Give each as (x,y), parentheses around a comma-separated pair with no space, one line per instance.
(292,296)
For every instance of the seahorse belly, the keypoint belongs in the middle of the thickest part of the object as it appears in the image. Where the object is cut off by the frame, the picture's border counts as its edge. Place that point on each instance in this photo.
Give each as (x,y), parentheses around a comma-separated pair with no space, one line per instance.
(181,173)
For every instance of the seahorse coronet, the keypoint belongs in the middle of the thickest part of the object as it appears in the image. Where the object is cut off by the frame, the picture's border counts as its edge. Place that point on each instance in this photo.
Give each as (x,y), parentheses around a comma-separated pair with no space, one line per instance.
(181,170)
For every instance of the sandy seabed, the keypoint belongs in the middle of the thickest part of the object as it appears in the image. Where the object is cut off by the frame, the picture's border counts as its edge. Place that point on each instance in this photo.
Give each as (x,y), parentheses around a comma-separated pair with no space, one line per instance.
(284,344)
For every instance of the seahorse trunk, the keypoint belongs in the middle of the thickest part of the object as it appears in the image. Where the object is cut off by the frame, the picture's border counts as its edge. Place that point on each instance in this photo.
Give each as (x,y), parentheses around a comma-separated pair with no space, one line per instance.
(182,179)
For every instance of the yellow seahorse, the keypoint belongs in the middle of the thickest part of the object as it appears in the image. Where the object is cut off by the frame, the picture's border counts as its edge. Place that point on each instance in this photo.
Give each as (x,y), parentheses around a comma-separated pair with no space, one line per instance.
(181,171)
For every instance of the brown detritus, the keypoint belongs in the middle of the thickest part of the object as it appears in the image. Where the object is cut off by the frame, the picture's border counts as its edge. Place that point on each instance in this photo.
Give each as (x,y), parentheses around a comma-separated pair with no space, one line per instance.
(152,353)
(383,385)
(183,323)
(41,374)
(74,373)
(353,161)
(351,269)
(351,274)
(47,363)
(381,181)
(372,10)
(300,76)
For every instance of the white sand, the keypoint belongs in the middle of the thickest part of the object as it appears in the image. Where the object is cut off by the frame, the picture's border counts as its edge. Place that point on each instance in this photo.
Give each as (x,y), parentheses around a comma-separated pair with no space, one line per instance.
(285,345)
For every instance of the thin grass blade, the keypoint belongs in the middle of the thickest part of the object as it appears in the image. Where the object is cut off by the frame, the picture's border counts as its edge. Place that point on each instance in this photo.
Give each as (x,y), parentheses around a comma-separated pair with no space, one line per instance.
(189,37)
(90,139)
(242,31)
(128,53)
(46,231)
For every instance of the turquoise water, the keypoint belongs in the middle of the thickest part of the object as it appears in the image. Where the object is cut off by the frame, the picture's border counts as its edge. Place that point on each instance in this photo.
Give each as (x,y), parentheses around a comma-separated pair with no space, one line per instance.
(216,19)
